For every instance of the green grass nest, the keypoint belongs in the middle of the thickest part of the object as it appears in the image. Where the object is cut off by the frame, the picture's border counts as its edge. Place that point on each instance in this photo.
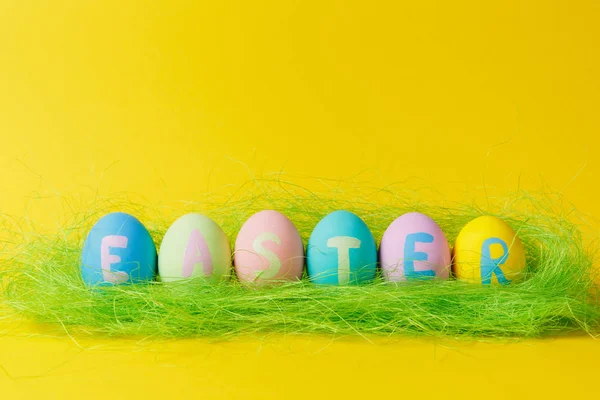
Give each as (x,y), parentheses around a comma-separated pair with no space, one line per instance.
(40,276)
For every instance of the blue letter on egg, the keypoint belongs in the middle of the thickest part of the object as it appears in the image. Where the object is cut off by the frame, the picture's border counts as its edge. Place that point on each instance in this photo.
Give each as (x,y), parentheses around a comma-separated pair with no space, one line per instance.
(491,265)
(410,255)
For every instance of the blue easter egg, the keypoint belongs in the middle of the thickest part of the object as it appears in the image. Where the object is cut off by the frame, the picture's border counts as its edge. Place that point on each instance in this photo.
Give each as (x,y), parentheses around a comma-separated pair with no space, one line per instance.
(341,250)
(118,250)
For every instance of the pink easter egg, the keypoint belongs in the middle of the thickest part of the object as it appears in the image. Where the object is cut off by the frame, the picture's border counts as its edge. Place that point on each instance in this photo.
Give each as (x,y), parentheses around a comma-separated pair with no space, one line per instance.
(414,247)
(268,248)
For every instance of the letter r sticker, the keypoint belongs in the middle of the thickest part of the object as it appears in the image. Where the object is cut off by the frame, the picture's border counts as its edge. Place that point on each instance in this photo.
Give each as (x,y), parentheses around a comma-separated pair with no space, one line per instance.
(489,265)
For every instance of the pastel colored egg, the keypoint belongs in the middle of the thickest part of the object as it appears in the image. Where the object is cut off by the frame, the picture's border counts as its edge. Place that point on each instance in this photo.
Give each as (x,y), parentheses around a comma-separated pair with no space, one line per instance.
(414,247)
(118,250)
(194,246)
(487,250)
(268,248)
(341,250)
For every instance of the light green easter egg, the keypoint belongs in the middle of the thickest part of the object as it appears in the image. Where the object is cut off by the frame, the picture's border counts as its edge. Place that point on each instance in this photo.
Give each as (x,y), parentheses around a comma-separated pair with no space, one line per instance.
(194,246)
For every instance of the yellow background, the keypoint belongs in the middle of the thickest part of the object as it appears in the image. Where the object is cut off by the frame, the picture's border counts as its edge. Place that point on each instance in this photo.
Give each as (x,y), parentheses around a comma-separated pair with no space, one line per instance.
(173,99)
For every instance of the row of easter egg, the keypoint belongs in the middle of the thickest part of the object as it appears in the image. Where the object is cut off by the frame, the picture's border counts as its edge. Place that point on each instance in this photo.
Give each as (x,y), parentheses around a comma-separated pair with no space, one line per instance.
(341,250)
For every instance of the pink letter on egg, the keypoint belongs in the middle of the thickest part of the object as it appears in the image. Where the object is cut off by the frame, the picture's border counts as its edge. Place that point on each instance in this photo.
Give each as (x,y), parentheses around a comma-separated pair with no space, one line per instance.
(106,259)
(196,252)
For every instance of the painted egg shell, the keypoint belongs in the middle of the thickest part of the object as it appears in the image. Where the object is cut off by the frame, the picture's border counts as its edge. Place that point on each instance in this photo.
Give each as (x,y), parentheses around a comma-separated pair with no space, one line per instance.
(414,247)
(194,246)
(117,250)
(341,250)
(487,250)
(268,248)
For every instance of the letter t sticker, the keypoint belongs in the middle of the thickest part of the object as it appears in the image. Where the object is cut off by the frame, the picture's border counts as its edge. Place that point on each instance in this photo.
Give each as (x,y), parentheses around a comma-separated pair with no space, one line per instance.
(343,245)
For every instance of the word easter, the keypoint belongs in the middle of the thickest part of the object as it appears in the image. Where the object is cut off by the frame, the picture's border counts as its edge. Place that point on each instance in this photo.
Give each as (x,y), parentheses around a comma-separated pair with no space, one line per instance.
(341,250)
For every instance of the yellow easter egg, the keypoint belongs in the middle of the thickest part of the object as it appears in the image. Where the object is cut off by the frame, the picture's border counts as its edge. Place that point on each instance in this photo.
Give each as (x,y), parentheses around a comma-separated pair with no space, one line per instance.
(487,250)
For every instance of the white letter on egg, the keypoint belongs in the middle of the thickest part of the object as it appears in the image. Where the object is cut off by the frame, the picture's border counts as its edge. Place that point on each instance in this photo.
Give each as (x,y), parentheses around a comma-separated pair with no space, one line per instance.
(106,259)
(274,262)
(343,245)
